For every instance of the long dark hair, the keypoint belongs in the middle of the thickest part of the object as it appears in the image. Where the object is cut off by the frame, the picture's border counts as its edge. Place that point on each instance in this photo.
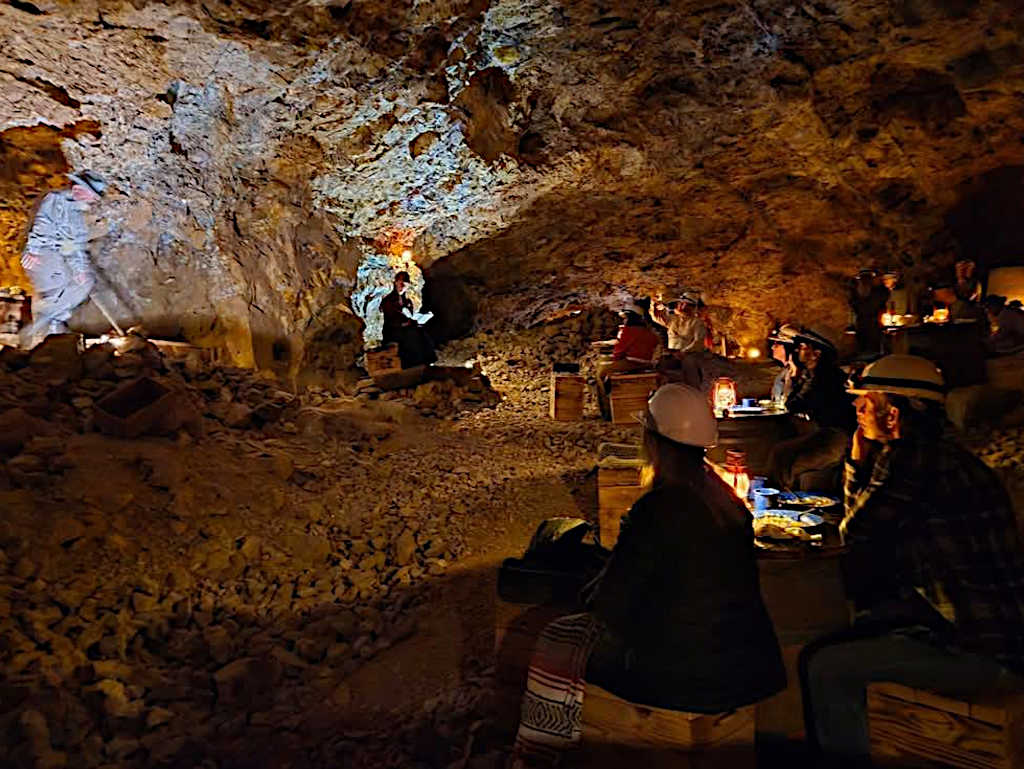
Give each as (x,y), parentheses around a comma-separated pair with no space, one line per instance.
(683,467)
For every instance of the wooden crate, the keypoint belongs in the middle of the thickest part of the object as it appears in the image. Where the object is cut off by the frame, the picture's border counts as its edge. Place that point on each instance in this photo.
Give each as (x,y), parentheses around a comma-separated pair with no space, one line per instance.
(383,360)
(566,397)
(982,732)
(629,394)
(619,733)
(618,487)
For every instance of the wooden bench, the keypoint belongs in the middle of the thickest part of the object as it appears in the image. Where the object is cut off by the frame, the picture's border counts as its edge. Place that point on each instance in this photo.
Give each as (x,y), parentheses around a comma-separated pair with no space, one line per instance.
(618,487)
(566,398)
(629,394)
(914,727)
(618,733)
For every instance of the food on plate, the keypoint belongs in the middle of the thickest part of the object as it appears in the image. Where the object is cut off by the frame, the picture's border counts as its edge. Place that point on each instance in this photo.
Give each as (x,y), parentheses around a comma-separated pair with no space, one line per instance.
(780,527)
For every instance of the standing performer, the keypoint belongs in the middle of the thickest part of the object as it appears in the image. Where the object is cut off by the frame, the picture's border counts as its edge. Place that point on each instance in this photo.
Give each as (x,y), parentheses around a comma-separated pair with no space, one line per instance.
(402,326)
(56,254)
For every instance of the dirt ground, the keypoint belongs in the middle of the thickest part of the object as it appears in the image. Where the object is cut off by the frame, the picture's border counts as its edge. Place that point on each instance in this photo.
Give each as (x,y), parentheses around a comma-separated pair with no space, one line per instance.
(315,591)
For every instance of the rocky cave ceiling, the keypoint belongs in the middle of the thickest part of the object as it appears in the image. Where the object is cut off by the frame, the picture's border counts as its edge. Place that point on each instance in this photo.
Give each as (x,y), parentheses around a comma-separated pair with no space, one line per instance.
(532,154)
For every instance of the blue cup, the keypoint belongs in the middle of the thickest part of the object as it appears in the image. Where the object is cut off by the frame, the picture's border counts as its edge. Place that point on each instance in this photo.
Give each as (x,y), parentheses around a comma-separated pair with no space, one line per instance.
(755,483)
(749,403)
(765,498)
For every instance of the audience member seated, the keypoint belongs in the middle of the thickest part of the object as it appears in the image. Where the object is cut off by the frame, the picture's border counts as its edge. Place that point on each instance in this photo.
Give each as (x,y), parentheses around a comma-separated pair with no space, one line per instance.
(1007,326)
(819,395)
(675,618)
(679,603)
(634,350)
(935,567)
(782,344)
(944,295)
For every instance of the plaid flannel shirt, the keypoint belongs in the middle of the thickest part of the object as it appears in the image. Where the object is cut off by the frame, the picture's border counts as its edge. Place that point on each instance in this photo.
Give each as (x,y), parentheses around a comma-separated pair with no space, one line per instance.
(942,521)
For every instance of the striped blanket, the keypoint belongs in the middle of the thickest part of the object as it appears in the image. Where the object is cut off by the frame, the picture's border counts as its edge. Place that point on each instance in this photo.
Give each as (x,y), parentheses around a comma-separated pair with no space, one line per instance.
(552,714)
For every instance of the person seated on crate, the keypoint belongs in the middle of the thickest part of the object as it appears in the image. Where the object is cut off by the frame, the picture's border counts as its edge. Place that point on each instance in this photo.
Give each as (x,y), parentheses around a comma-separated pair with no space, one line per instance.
(934,567)
(943,295)
(819,398)
(634,350)
(782,343)
(679,604)
(402,326)
(1007,324)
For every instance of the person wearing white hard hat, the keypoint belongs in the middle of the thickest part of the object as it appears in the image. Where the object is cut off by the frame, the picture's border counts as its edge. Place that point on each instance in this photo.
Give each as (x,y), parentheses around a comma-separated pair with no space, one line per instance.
(635,348)
(819,397)
(934,567)
(56,257)
(679,601)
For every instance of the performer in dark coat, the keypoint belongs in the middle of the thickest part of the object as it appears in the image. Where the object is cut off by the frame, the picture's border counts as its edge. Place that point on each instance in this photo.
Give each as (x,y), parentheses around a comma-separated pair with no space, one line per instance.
(415,348)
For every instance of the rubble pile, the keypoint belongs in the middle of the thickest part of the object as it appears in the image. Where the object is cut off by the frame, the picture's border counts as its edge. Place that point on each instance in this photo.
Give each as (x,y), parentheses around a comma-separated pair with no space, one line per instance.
(519,362)
(447,391)
(220,580)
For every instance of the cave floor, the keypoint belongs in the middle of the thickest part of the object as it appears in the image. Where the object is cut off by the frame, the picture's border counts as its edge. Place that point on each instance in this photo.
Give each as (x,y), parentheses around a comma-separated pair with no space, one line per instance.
(319,593)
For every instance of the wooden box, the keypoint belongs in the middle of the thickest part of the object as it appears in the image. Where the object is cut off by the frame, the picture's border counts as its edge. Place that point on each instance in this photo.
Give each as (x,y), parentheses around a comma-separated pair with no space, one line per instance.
(618,733)
(629,394)
(383,360)
(914,725)
(566,398)
(618,487)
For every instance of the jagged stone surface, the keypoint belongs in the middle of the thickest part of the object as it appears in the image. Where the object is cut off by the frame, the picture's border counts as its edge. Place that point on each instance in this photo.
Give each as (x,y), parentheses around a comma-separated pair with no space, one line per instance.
(759,152)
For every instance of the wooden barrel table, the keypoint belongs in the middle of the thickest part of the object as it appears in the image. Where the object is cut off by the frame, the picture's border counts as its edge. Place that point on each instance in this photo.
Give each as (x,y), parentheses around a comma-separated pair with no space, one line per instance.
(804,594)
(755,434)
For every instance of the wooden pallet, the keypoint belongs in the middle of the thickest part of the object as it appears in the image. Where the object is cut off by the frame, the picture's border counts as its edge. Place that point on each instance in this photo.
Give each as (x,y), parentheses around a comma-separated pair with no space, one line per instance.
(983,732)
(566,397)
(629,394)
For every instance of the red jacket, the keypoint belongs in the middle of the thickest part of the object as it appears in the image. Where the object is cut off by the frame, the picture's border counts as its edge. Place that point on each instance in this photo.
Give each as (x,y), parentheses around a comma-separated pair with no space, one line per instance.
(636,342)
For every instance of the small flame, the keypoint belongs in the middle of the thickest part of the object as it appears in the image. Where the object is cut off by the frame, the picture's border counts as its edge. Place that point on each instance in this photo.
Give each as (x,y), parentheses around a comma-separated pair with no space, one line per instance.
(753,353)
(407,254)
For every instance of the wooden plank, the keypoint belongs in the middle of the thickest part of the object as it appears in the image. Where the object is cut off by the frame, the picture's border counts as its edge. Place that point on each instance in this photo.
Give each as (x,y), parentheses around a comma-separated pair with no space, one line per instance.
(903,729)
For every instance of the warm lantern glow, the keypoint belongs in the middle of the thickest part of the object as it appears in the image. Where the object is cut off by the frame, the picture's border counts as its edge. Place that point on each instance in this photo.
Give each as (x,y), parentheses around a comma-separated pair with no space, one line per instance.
(939,315)
(753,353)
(887,319)
(407,254)
(723,395)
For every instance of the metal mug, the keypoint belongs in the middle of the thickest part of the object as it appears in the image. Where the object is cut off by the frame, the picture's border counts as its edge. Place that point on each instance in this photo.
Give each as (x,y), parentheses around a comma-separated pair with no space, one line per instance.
(765,498)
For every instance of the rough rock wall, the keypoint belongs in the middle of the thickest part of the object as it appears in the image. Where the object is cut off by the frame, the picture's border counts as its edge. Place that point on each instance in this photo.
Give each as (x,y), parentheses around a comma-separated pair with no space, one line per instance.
(539,154)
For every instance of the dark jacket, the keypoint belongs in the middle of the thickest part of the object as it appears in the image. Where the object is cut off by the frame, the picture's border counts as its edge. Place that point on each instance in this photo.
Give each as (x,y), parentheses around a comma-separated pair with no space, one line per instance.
(681,603)
(926,515)
(391,307)
(821,395)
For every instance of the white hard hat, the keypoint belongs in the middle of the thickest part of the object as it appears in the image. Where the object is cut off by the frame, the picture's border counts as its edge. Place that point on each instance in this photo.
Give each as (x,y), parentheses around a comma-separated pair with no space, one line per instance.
(907,375)
(632,307)
(681,414)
